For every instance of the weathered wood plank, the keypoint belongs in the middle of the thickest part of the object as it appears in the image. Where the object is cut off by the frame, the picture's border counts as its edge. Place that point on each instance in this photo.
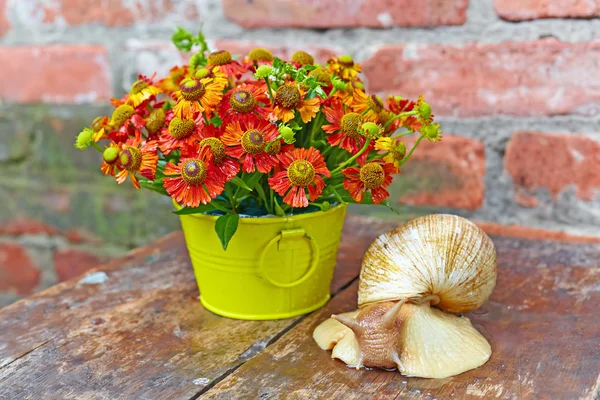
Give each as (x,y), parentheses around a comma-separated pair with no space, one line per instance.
(542,321)
(141,334)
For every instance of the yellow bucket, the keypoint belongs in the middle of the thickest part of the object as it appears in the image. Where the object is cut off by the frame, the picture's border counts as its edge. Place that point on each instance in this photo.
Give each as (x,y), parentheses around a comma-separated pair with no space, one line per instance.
(274,267)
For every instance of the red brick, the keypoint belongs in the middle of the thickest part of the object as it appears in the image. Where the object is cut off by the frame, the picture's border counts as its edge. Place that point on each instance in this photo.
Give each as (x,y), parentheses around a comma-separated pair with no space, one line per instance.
(27,226)
(554,161)
(533,233)
(242,48)
(4,23)
(70,262)
(541,77)
(519,10)
(449,173)
(18,272)
(107,12)
(54,74)
(345,13)
(81,235)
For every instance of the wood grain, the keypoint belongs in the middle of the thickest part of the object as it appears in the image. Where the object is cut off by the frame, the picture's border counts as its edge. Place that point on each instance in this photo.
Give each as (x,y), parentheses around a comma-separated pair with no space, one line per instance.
(542,322)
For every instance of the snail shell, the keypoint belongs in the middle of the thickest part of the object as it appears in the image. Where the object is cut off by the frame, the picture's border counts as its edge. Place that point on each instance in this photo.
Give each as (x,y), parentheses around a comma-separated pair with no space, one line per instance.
(412,281)
(443,255)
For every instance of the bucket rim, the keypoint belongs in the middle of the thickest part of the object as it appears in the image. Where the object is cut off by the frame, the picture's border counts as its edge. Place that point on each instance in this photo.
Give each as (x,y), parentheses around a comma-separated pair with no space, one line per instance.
(266,220)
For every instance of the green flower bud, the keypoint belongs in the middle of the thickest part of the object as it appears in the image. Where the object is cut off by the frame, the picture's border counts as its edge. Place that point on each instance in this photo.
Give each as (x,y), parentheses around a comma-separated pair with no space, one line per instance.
(346,61)
(339,84)
(433,133)
(424,110)
(371,129)
(201,73)
(85,139)
(325,206)
(110,155)
(287,134)
(263,71)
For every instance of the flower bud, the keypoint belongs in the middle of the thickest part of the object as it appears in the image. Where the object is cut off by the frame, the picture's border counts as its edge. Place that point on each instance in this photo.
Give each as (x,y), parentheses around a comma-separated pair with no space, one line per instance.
(201,73)
(325,206)
(263,71)
(338,84)
(287,134)
(346,61)
(371,129)
(84,139)
(433,132)
(424,110)
(110,155)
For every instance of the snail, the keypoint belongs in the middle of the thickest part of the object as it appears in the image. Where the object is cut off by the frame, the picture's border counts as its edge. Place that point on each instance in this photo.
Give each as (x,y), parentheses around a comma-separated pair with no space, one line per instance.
(413,282)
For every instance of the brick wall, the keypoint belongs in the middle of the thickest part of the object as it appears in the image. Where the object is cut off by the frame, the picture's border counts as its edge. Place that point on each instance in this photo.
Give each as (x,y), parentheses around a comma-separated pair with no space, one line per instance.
(516,85)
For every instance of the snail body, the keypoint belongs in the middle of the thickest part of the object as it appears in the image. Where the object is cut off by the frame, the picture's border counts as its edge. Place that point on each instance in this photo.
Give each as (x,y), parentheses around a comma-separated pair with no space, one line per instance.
(413,281)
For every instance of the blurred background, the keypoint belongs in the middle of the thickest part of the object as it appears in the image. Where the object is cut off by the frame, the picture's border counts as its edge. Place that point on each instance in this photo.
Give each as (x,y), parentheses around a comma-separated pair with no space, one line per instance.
(515,84)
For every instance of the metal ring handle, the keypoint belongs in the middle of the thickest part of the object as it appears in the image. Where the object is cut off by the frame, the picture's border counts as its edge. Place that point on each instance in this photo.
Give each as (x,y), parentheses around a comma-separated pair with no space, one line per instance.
(313,263)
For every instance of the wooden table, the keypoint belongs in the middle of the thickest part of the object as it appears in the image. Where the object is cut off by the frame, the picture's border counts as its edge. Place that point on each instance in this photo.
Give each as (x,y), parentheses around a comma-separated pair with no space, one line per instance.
(142,334)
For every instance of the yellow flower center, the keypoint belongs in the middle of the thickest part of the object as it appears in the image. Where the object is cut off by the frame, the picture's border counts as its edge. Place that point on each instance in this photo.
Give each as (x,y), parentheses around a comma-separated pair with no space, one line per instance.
(274,148)
(131,159)
(155,121)
(372,175)
(301,173)
(221,57)
(138,86)
(242,101)
(350,124)
(303,58)
(122,114)
(216,147)
(346,61)
(193,172)
(375,103)
(321,75)
(260,54)
(287,96)
(181,129)
(253,141)
(192,90)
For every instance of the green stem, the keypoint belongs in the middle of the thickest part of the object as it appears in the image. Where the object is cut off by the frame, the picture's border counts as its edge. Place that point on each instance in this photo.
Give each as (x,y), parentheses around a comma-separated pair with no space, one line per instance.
(406,114)
(316,126)
(406,157)
(332,91)
(338,196)
(97,147)
(354,157)
(270,90)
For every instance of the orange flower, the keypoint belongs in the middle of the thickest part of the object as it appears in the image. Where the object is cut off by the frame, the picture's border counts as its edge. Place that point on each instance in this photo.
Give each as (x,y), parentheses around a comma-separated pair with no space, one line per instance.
(192,181)
(179,133)
(247,141)
(395,149)
(99,127)
(110,159)
(368,106)
(222,61)
(134,159)
(244,102)
(375,176)
(344,67)
(398,105)
(344,129)
(211,143)
(143,89)
(171,83)
(304,170)
(290,97)
(197,96)
(125,122)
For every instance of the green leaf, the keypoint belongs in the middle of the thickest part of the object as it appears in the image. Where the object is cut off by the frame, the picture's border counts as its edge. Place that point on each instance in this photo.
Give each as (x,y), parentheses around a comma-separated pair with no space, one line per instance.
(216,121)
(155,186)
(183,39)
(195,210)
(240,183)
(278,210)
(225,227)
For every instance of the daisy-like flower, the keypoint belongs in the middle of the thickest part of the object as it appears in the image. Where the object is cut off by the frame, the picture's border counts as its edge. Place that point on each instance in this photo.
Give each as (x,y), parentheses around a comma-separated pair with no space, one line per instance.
(244,102)
(179,133)
(247,141)
(199,95)
(344,129)
(290,98)
(211,143)
(156,122)
(135,159)
(143,89)
(301,58)
(369,106)
(395,149)
(171,83)
(375,176)
(224,63)
(344,67)
(193,181)
(125,123)
(110,158)
(398,105)
(304,170)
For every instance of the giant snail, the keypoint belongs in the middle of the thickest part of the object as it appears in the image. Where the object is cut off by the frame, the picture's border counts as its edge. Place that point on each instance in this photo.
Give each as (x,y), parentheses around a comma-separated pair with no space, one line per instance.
(413,282)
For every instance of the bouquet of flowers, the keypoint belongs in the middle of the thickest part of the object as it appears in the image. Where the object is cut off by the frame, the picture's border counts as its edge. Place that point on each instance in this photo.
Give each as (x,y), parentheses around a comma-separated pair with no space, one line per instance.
(257,135)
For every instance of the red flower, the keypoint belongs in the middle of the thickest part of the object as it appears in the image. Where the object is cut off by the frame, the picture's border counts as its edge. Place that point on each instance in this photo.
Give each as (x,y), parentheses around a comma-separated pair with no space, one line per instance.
(135,159)
(304,169)
(223,61)
(375,176)
(344,129)
(193,180)
(399,105)
(126,122)
(179,133)
(247,141)
(244,102)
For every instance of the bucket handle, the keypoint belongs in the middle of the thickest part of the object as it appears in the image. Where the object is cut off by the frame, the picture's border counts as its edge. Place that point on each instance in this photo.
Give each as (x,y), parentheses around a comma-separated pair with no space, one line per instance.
(290,234)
